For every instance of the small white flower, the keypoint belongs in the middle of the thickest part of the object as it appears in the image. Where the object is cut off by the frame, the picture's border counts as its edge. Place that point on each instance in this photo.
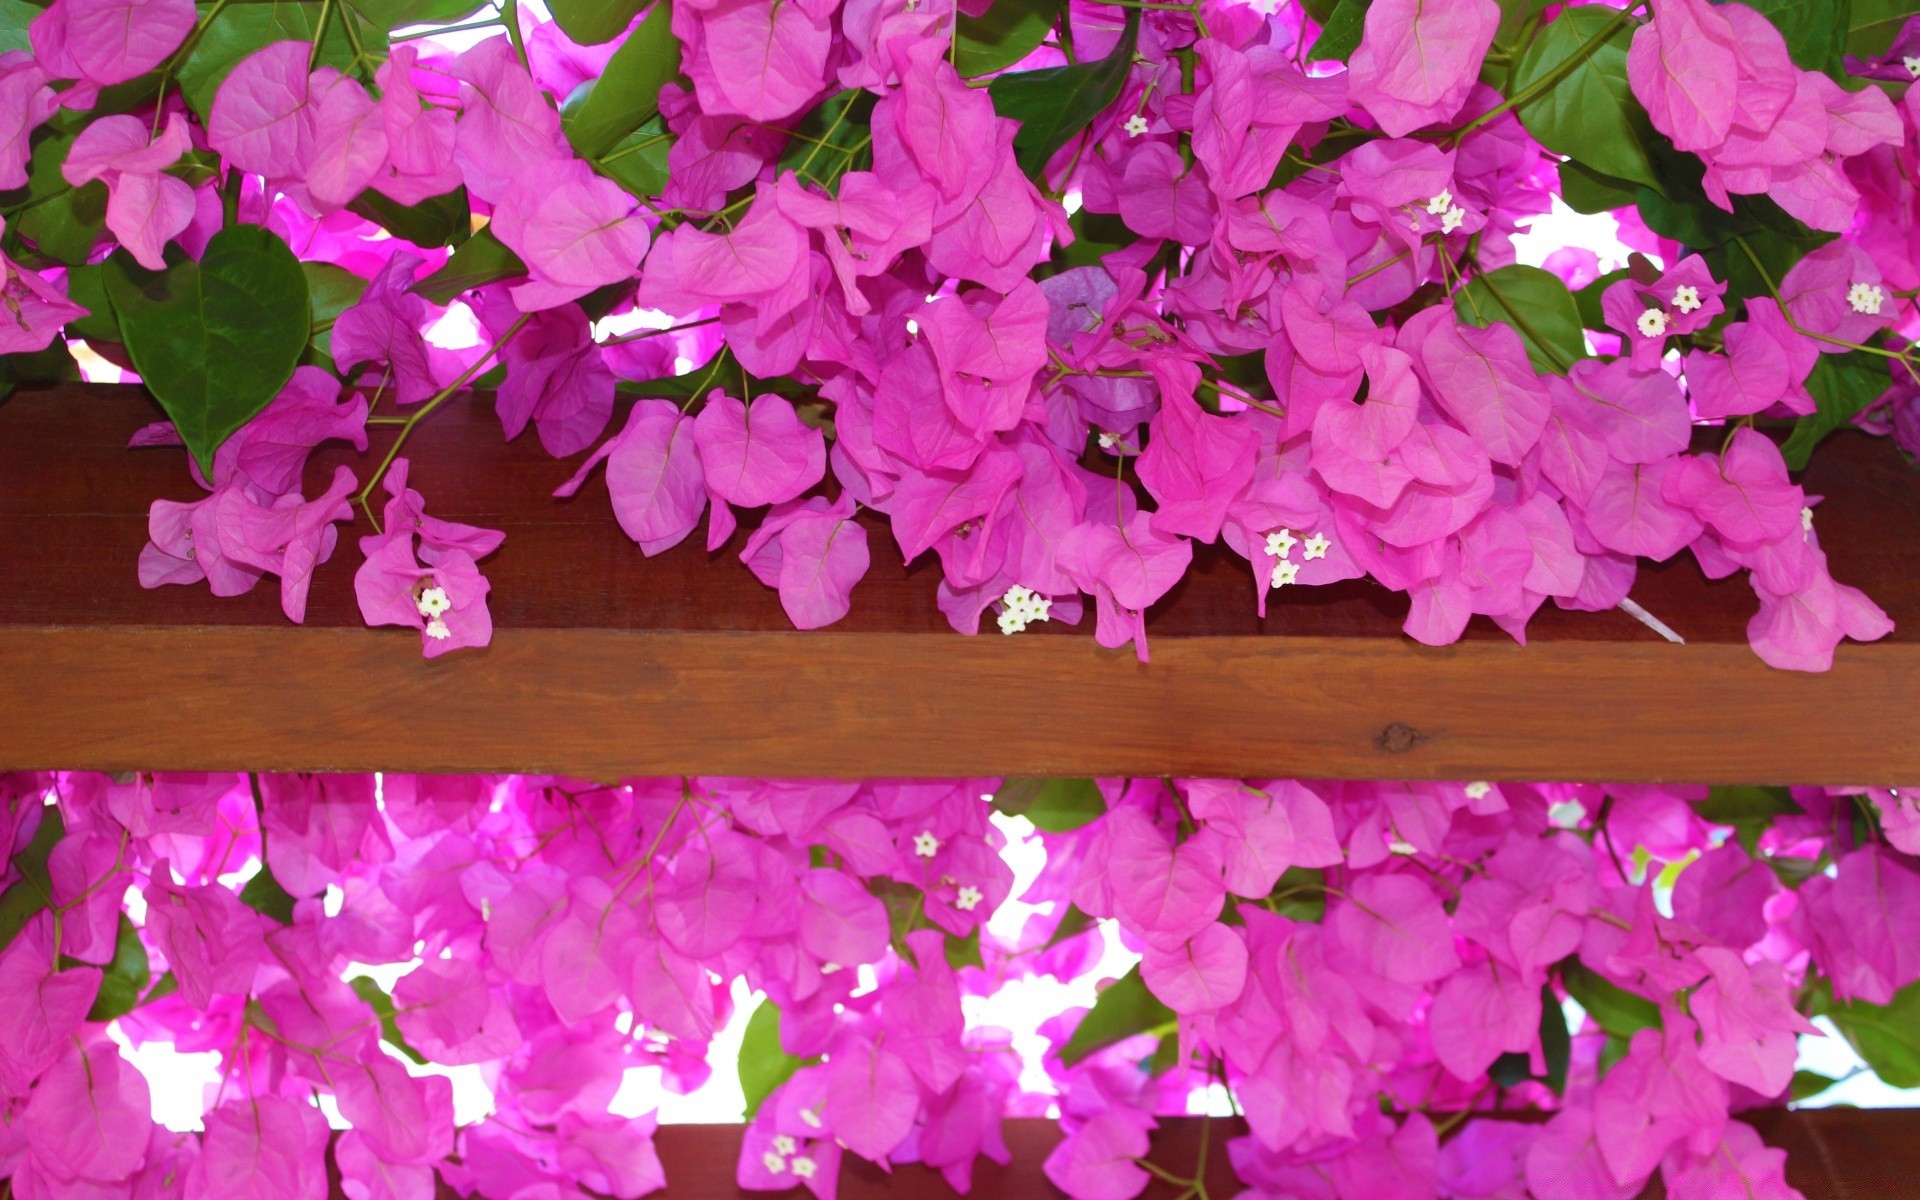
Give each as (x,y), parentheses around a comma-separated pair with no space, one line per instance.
(969,898)
(1866,298)
(1285,573)
(782,1144)
(1107,441)
(926,846)
(810,1117)
(486,909)
(437,630)
(1136,125)
(433,602)
(1478,789)
(1012,622)
(1653,323)
(1912,63)
(1686,298)
(1806,519)
(1318,545)
(803,1168)
(1566,814)
(1400,847)
(773,1163)
(1451,219)
(1441,202)
(827,969)
(1280,543)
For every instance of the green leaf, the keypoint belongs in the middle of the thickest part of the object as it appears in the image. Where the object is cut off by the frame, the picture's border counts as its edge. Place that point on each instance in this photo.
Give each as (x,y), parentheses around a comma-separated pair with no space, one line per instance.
(830,138)
(1004,35)
(162,987)
(264,895)
(1841,385)
(763,1065)
(1808,1084)
(591,22)
(1300,894)
(331,291)
(1054,105)
(638,162)
(1053,805)
(1340,36)
(1556,1042)
(214,340)
(965,951)
(242,29)
(1538,307)
(1072,925)
(1730,805)
(1873,25)
(481,260)
(1613,1008)
(1514,15)
(628,91)
(1124,1008)
(33,891)
(1588,299)
(1757,228)
(1589,114)
(389,15)
(64,222)
(124,978)
(1815,31)
(1886,1036)
(15,16)
(1588,191)
(370,990)
(436,221)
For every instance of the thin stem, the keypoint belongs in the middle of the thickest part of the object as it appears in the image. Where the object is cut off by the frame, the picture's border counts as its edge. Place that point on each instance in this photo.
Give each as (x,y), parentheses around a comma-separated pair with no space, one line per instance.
(510,17)
(643,334)
(319,34)
(406,430)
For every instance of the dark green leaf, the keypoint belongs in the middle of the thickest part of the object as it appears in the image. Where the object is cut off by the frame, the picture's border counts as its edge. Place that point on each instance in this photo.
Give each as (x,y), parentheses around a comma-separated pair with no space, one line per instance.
(1072,925)
(64,222)
(1095,235)
(1511,1069)
(965,951)
(1124,1008)
(1612,1051)
(1300,894)
(1054,105)
(763,1064)
(1613,1008)
(87,287)
(51,365)
(481,260)
(1726,805)
(1514,18)
(436,221)
(1815,31)
(628,91)
(831,138)
(1053,805)
(1556,1043)
(1793,871)
(376,996)
(1538,307)
(1731,242)
(591,22)
(162,987)
(1340,36)
(1589,114)
(1588,191)
(1841,385)
(216,340)
(124,978)
(1873,25)
(331,291)
(242,29)
(264,895)
(34,889)
(389,15)
(1808,1084)
(1588,298)
(1886,1036)
(638,162)
(1004,35)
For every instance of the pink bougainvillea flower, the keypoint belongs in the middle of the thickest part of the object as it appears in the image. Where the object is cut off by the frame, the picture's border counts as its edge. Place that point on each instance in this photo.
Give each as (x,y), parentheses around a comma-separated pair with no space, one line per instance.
(262,116)
(556,377)
(102,42)
(575,230)
(382,331)
(654,476)
(36,309)
(145,209)
(25,104)
(758,453)
(814,553)
(441,592)
(1416,62)
(506,123)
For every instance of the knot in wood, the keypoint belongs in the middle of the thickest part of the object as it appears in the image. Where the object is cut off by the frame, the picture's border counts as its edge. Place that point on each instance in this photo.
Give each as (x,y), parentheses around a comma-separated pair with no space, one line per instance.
(1398,738)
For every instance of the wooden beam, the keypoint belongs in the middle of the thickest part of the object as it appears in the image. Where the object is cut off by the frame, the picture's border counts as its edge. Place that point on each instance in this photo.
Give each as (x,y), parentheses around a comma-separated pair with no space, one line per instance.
(606,663)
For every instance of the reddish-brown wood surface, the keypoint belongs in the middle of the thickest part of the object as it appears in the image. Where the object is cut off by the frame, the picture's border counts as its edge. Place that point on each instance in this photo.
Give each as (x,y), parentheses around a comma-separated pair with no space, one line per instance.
(608,663)
(1832,1154)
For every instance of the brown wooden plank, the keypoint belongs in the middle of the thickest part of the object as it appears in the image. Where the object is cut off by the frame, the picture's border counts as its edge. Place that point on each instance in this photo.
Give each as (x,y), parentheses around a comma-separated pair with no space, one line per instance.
(607,663)
(1832,1154)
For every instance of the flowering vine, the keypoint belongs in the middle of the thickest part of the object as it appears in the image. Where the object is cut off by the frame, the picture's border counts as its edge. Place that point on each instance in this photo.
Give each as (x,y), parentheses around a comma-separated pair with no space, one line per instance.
(1052,290)
(1379,975)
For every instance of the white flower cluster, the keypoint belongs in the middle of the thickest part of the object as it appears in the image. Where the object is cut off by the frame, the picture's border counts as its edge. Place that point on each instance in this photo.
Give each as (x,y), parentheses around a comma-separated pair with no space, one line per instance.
(1450,214)
(1866,298)
(433,605)
(1280,544)
(776,1162)
(1021,607)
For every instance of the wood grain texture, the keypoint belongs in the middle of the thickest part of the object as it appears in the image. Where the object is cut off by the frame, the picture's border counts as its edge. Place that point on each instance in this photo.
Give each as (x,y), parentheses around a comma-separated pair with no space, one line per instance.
(606,663)
(1832,1154)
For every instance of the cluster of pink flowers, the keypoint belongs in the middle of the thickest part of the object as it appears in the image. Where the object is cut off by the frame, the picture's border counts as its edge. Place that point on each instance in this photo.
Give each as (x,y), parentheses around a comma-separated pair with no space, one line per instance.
(1376,972)
(1229,280)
